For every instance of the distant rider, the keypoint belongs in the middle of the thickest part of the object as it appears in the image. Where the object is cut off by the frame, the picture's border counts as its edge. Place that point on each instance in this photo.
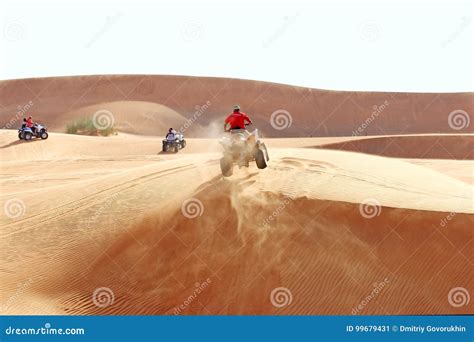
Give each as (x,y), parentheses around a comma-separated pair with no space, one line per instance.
(171,135)
(236,120)
(30,124)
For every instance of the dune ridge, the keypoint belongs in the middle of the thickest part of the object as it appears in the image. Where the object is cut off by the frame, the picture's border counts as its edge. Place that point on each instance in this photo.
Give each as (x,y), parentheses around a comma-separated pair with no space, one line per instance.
(312,112)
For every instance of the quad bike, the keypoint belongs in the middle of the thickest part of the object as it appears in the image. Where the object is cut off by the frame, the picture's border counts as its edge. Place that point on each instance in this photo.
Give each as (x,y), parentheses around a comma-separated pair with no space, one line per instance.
(240,148)
(174,143)
(37,131)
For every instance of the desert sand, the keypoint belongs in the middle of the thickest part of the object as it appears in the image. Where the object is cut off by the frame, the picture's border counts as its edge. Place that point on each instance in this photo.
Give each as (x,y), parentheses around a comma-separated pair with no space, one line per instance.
(335,225)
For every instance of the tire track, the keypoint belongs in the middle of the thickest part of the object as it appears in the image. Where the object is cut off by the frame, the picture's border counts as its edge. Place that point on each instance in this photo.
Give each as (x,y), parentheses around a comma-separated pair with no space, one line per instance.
(90,200)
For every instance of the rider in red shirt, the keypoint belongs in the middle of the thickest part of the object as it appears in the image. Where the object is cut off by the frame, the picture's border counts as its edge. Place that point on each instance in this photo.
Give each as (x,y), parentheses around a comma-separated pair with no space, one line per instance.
(29,122)
(236,120)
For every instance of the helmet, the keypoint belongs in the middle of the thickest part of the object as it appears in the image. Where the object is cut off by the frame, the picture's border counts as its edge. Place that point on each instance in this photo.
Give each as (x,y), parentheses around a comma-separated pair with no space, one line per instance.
(236,108)
(170,130)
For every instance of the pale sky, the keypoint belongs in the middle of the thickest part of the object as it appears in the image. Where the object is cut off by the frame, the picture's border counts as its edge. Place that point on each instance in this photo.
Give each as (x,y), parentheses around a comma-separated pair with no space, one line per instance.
(423,46)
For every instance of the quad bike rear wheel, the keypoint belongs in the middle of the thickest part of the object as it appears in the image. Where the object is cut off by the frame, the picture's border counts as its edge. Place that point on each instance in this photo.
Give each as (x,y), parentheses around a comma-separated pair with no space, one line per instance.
(20,136)
(260,159)
(28,136)
(226,167)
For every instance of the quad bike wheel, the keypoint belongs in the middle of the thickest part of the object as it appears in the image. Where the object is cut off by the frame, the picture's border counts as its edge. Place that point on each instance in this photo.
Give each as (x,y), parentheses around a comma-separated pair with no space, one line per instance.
(44,135)
(28,136)
(226,167)
(264,148)
(20,136)
(183,144)
(260,159)
(175,148)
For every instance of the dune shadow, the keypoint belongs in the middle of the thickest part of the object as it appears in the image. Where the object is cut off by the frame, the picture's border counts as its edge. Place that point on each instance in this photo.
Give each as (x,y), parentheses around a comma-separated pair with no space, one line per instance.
(453,146)
(166,153)
(17,142)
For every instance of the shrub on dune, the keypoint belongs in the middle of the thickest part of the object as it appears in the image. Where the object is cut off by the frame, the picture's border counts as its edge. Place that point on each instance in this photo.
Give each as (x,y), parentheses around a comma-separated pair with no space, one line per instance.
(86,126)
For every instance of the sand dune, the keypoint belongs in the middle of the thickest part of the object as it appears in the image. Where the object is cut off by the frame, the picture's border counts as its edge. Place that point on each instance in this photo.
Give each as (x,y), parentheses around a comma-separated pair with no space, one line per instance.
(411,146)
(302,112)
(135,117)
(373,216)
(329,226)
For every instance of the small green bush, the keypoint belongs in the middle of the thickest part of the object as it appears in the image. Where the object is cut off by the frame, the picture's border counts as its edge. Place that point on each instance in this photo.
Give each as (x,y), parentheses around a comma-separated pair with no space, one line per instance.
(85,126)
